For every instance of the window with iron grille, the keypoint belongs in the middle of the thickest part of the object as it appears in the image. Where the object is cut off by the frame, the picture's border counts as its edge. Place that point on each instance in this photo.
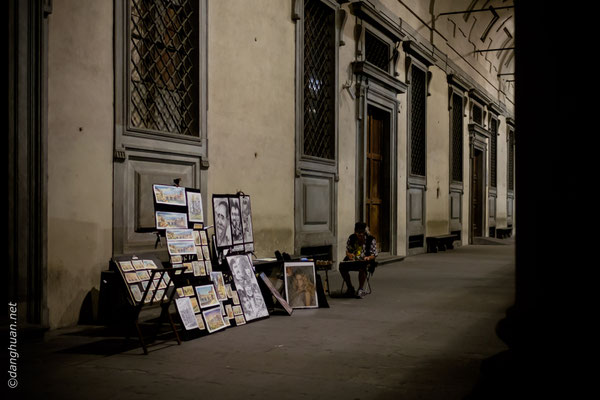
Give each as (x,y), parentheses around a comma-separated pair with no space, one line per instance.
(493,152)
(319,80)
(511,160)
(457,138)
(377,52)
(477,114)
(417,121)
(163,66)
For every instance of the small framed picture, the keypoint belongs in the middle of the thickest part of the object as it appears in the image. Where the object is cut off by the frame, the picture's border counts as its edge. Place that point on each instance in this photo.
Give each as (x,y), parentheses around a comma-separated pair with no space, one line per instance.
(131,277)
(143,275)
(170,195)
(206,252)
(214,319)
(176,259)
(195,212)
(239,320)
(200,321)
(181,247)
(186,312)
(300,284)
(237,310)
(237,234)
(179,234)
(138,264)
(219,282)
(126,266)
(188,290)
(207,296)
(203,237)
(136,292)
(246,218)
(195,305)
(149,264)
(170,220)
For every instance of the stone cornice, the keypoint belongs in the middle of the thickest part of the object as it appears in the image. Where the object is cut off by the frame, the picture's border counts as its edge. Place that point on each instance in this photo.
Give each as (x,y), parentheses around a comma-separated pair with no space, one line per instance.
(370,71)
(369,13)
(414,49)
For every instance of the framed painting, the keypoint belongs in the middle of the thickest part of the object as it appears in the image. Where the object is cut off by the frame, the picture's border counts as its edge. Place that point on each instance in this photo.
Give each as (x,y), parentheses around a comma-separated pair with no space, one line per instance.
(169,195)
(214,319)
(207,296)
(179,234)
(170,220)
(186,312)
(300,284)
(195,211)
(247,287)
(219,282)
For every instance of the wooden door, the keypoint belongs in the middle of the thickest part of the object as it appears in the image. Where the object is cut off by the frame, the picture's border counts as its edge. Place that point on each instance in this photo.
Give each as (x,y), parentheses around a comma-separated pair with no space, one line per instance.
(477,205)
(377,207)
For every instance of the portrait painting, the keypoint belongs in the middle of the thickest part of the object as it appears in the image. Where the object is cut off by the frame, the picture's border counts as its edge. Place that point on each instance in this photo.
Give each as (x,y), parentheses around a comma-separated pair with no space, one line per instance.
(300,284)
(247,287)
(214,319)
(170,220)
(195,212)
(237,234)
(170,195)
(222,221)
(207,296)
(246,218)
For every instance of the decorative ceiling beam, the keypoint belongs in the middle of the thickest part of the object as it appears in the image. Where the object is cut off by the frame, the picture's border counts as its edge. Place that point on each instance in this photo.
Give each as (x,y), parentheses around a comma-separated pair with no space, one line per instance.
(479,10)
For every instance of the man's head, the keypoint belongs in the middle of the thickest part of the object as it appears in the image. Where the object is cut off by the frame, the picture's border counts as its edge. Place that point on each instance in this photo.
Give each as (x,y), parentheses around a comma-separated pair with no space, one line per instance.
(222,217)
(360,229)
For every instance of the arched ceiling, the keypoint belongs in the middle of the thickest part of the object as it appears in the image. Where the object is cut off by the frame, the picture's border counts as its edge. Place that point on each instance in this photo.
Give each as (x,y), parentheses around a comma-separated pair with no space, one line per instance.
(482,30)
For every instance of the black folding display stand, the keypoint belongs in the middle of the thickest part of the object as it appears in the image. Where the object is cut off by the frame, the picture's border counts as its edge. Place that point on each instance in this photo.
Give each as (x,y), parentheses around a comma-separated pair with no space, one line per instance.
(151,298)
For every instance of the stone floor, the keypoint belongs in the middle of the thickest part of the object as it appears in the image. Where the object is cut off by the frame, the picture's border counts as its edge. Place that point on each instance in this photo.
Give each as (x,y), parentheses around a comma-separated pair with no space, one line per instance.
(421,334)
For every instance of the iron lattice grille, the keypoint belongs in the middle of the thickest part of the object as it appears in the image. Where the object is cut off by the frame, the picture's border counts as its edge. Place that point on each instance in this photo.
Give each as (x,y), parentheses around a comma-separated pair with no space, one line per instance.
(377,52)
(457,138)
(477,115)
(494,153)
(511,160)
(417,122)
(319,78)
(163,66)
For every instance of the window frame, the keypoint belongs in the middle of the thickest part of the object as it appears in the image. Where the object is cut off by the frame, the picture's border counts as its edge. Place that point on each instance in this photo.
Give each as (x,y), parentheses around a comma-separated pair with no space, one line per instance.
(123,84)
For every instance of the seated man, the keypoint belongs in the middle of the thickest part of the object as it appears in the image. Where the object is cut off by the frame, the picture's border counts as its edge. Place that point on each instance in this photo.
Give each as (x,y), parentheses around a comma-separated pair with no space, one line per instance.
(361,246)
